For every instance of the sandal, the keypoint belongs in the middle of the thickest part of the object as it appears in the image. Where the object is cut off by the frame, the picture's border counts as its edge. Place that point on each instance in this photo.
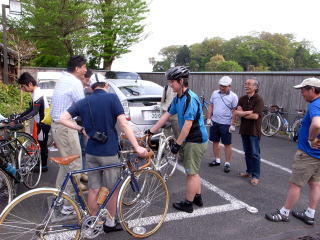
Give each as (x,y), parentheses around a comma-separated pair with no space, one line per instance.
(277,217)
(245,175)
(254,181)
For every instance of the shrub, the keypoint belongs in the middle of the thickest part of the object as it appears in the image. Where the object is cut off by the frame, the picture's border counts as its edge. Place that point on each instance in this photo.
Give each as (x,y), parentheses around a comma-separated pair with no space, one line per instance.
(12,99)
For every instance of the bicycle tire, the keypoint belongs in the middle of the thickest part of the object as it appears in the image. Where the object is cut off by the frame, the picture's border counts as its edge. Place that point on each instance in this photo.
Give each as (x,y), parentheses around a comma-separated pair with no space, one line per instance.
(270,125)
(295,130)
(6,190)
(147,214)
(30,217)
(167,160)
(29,161)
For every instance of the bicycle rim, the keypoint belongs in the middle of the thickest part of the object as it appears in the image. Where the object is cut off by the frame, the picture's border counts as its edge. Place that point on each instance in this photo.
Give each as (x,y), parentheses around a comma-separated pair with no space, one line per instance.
(295,130)
(29,161)
(168,161)
(132,195)
(5,190)
(147,214)
(30,216)
(270,125)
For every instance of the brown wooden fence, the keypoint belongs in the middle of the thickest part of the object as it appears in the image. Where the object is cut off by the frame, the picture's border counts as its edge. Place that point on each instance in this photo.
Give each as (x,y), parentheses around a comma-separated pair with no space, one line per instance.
(275,87)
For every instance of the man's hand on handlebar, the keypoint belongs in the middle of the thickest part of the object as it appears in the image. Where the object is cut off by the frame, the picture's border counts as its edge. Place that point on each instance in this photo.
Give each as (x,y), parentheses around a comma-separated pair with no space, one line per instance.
(148,132)
(142,152)
(174,147)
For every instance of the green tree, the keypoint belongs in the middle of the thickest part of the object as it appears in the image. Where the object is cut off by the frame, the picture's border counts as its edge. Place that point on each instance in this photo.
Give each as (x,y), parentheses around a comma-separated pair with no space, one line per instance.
(116,25)
(229,66)
(214,62)
(183,56)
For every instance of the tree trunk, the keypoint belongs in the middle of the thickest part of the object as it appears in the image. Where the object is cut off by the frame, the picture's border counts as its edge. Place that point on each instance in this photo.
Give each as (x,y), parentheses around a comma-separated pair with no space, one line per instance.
(107,65)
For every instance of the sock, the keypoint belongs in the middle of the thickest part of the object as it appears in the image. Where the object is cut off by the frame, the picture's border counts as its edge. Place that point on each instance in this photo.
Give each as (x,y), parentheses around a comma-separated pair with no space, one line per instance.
(285,211)
(218,160)
(109,222)
(310,212)
(227,163)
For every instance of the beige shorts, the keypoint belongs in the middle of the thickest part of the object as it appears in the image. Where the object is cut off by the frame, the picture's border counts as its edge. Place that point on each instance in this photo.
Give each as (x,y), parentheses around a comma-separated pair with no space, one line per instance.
(305,169)
(192,154)
(103,178)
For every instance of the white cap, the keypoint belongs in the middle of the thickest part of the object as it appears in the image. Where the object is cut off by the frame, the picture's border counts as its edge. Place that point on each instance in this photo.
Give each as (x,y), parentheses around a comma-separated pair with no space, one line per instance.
(313,82)
(225,81)
(97,77)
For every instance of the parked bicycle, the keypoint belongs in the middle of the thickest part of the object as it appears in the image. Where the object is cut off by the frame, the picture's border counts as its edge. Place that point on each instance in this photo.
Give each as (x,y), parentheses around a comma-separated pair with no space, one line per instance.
(204,106)
(142,205)
(275,120)
(20,151)
(164,161)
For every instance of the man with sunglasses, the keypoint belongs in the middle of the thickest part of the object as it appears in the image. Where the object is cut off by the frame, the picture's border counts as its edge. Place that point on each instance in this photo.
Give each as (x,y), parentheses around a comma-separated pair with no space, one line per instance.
(306,165)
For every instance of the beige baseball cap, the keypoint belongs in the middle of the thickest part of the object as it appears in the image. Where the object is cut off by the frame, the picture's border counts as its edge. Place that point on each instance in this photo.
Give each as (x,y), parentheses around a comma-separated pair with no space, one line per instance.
(313,82)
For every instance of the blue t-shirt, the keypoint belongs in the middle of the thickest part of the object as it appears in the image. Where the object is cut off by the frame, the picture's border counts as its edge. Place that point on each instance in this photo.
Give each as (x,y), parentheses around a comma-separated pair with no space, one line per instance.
(105,108)
(188,107)
(303,145)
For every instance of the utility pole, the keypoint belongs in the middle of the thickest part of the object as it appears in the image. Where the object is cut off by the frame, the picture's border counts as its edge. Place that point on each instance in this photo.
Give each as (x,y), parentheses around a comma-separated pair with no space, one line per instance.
(5,48)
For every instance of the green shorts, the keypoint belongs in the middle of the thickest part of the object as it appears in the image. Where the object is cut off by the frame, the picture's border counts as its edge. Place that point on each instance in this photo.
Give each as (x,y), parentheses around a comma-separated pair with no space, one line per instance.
(192,154)
(304,169)
(103,178)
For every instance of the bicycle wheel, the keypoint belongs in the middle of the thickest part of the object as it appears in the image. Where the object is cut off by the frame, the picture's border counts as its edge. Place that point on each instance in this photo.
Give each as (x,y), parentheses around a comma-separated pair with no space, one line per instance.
(204,111)
(29,161)
(36,214)
(270,124)
(6,190)
(166,159)
(147,214)
(295,130)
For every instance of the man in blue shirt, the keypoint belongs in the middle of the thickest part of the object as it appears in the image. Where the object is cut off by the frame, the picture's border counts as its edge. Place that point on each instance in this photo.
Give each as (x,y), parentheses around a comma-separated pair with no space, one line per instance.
(306,166)
(100,112)
(193,136)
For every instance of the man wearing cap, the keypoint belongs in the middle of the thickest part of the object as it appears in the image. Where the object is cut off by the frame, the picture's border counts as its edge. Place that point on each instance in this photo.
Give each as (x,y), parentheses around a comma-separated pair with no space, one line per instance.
(99,113)
(219,116)
(306,165)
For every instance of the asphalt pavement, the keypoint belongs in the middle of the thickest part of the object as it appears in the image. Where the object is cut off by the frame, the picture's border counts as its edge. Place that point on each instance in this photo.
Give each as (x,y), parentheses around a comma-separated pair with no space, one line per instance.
(226,198)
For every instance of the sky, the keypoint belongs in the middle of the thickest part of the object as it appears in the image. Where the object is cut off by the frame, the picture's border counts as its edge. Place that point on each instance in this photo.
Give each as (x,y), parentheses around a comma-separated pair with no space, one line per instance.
(185,22)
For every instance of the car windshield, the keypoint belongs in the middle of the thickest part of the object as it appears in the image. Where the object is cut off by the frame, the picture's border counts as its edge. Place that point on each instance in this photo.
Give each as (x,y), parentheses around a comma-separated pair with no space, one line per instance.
(47,84)
(122,75)
(141,90)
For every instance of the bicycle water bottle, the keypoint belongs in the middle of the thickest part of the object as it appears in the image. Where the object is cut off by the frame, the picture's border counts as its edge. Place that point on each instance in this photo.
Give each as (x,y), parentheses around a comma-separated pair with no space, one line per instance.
(11,169)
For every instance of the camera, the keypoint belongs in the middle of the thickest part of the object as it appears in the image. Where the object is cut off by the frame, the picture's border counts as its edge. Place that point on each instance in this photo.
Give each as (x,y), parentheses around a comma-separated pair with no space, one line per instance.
(100,137)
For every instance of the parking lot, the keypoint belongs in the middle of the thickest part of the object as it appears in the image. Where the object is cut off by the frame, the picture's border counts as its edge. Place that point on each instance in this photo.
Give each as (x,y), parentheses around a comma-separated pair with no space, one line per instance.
(227,196)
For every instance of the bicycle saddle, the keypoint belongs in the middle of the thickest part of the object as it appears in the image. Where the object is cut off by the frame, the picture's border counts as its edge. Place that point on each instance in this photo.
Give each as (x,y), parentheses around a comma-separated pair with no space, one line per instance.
(65,160)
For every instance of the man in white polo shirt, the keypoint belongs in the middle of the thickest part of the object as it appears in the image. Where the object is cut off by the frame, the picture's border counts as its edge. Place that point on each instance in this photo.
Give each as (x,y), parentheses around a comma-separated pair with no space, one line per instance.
(219,116)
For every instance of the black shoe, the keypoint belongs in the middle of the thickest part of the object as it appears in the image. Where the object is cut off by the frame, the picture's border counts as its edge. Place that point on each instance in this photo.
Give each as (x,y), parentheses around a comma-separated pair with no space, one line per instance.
(277,217)
(185,206)
(214,163)
(198,200)
(226,168)
(303,217)
(116,228)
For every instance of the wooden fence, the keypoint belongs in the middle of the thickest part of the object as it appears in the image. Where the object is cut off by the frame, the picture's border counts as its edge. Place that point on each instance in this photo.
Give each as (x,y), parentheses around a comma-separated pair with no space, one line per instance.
(275,87)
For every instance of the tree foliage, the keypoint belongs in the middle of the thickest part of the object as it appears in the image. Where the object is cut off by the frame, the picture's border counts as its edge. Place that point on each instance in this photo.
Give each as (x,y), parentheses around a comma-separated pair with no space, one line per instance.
(257,52)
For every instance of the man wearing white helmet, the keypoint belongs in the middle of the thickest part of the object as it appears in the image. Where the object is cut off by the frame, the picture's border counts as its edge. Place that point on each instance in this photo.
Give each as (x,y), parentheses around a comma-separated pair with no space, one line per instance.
(219,116)
(99,113)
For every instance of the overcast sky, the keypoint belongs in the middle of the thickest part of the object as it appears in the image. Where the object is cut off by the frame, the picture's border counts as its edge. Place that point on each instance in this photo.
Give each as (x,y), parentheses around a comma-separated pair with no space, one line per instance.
(179,22)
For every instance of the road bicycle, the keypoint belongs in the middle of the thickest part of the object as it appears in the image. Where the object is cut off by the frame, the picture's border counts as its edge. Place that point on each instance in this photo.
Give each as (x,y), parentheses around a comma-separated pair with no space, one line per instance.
(275,120)
(204,106)
(164,162)
(142,205)
(21,151)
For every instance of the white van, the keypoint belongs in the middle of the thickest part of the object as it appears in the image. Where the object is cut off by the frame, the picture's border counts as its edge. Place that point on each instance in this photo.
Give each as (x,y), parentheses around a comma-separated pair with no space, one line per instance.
(47,82)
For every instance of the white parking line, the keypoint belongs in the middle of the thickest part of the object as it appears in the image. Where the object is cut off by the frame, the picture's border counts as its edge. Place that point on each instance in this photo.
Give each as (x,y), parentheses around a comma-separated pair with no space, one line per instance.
(266,162)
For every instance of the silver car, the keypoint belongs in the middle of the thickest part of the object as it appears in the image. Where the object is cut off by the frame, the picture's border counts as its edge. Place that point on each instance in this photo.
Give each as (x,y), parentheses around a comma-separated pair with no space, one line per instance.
(140,100)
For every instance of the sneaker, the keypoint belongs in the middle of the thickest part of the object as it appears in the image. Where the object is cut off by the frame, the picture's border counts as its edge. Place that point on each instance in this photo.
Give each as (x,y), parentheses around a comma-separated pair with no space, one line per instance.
(226,168)
(115,228)
(303,217)
(277,217)
(184,206)
(198,200)
(68,210)
(214,163)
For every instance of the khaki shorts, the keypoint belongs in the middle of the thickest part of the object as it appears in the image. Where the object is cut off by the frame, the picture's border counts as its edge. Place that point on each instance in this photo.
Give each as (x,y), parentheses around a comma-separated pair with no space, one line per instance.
(106,178)
(192,154)
(304,169)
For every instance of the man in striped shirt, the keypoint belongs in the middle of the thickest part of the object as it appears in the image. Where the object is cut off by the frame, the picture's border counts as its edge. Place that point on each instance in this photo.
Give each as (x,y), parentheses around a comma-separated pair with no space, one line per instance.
(68,90)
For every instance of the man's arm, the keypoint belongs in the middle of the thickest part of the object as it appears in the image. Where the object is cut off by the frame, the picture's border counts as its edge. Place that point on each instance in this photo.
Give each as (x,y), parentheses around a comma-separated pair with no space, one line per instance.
(184,131)
(164,118)
(66,120)
(124,126)
(210,111)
